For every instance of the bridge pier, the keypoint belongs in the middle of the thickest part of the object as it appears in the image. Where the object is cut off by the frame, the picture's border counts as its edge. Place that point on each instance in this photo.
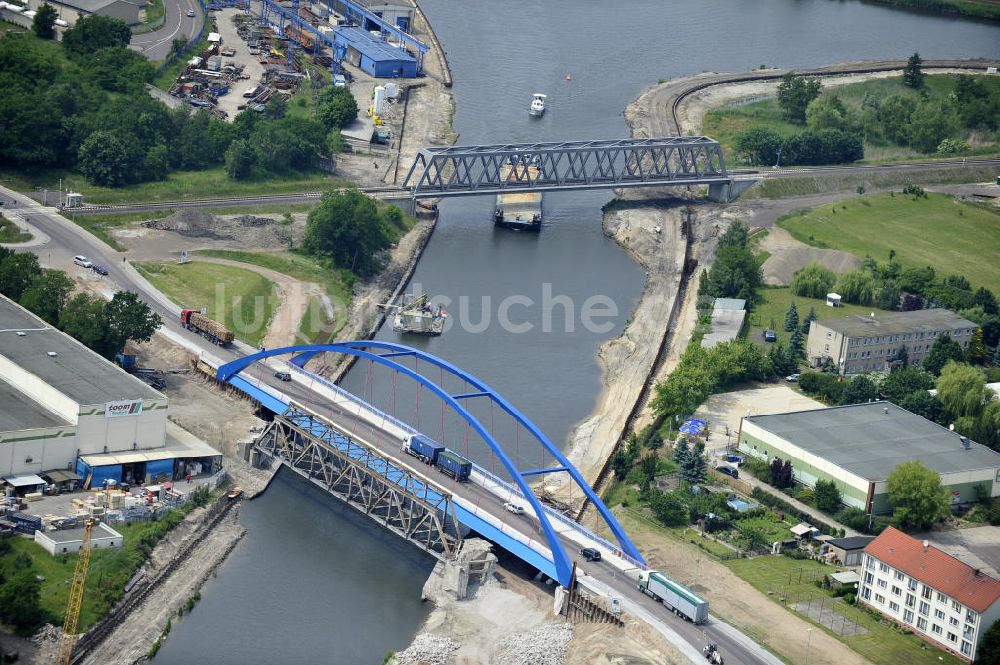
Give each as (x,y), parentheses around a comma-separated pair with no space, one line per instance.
(725,192)
(458,577)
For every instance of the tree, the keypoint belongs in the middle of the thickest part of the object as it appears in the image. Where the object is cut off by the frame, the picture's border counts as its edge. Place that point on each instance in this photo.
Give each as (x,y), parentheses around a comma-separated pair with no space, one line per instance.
(904,381)
(828,112)
(813,281)
(827,496)
(735,273)
(44,23)
(92,33)
(794,95)
(737,235)
(17,272)
(107,160)
(902,357)
(758,145)
(775,472)
(84,319)
(932,122)
(276,107)
(924,404)
(857,287)
(240,158)
(888,296)
(916,495)
(130,319)
(47,294)
(669,508)
(177,46)
(989,647)
(20,601)
(787,476)
(806,322)
(621,464)
(913,75)
(977,352)
(894,117)
(682,452)
(336,108)
(345,227)
(796,343)
(693,470)
(791,317)
(962,390)
(943,350)
(860,390)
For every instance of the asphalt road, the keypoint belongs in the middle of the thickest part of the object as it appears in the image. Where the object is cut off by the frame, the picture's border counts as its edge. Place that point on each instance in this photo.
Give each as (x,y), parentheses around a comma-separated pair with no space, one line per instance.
(156,45)
(65,239)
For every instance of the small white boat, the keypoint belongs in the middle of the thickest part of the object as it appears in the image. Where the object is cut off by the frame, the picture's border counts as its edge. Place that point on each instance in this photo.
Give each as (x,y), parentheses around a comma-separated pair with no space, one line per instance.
(537,107)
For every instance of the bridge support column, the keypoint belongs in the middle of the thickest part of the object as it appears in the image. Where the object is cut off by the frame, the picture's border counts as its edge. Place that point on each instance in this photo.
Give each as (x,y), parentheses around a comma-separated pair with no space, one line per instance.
(724,192)
(459,577)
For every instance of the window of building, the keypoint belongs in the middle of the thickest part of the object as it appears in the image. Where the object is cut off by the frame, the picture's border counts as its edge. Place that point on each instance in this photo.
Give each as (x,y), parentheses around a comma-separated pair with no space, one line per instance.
(955,605)
(912,584)
(936,629)
(879,598)
(953,621)
(826,347)
(925,609)
(911,600)
(882,584)
(829,334)
(866,593)
(941,597)
(893,606)
(898,575)
(870,563)
(908,616)
(896,591)
(952,637)
(922,624)
(970,616)
(938,614)
(869,578)
(926,593)
(966,648)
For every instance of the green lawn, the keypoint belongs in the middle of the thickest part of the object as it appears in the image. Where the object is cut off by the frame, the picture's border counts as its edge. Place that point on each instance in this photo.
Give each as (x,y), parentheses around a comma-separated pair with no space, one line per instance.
(209,183)
(769,311)
(241,299)
(725,123)
(779,188)
(11,232)
(790,581)
(939,231)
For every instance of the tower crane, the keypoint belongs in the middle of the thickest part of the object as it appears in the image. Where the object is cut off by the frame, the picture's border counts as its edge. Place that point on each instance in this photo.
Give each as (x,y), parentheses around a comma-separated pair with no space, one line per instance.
(75,602)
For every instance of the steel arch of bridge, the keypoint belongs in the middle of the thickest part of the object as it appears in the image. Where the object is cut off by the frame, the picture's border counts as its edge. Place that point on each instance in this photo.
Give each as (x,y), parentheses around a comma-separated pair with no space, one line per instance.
(567,165)
(369,349)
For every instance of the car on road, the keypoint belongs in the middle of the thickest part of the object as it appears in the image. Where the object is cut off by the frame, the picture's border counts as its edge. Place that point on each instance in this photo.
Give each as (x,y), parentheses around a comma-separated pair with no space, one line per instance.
(514,508)
(792,378)
(728,470)
(283,376)
(81,260)
(99,269)
(190,13)
(591,554)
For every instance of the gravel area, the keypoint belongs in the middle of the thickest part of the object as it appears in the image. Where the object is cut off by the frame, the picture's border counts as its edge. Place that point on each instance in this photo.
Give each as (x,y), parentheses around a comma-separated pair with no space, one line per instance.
(427,649)
(545,645)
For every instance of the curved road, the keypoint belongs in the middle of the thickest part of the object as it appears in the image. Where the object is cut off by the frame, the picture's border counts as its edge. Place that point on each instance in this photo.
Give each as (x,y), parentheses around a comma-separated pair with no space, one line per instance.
(156,45)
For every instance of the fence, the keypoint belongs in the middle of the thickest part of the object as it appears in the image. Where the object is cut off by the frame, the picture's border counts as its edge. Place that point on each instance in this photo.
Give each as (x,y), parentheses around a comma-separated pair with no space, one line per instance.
(741,486)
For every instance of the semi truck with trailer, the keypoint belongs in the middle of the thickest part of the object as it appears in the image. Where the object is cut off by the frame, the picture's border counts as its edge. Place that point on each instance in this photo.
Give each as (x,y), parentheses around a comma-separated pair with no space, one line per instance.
(454,465)
(423,448)
(677,597)
(211,330)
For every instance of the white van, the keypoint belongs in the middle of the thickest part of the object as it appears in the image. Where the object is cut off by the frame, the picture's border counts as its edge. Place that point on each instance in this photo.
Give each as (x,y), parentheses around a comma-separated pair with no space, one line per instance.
(82,261)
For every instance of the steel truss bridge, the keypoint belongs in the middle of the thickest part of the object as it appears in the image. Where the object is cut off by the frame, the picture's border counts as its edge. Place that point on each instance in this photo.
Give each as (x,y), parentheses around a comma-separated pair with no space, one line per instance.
(376,477)
(567,165)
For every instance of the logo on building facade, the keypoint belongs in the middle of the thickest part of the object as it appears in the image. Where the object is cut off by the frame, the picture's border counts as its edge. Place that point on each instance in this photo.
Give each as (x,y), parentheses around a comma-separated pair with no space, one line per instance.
(128,407)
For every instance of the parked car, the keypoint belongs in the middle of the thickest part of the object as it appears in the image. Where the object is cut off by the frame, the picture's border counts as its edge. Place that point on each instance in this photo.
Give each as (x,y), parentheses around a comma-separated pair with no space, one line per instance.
(792,378)
(81,260)
(514,508)
(591,554)
(283,376)
(728,470)
(769,336)
(99,269)
(190,13)
(733,459)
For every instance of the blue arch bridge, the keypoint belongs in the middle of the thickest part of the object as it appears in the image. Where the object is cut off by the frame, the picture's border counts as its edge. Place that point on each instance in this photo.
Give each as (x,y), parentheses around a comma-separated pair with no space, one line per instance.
(356,451)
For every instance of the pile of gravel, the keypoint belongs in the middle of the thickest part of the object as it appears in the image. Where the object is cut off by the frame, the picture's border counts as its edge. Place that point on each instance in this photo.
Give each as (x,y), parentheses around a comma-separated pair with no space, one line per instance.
(427,649)
(47,634)
(545,645)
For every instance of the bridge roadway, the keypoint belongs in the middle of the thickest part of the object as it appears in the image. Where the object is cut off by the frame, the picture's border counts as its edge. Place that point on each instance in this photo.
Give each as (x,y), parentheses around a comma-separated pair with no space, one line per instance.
(57,240)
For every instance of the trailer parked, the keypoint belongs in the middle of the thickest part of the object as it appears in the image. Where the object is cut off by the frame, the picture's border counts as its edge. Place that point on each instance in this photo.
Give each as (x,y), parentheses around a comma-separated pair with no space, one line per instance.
(423,448)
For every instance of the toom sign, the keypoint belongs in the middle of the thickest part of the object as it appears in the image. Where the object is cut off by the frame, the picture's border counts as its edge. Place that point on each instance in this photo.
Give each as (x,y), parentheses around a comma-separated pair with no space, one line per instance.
(129,407)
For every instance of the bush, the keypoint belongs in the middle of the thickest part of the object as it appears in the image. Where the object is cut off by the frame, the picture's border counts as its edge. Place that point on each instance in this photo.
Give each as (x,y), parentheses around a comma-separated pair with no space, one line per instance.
(813,281)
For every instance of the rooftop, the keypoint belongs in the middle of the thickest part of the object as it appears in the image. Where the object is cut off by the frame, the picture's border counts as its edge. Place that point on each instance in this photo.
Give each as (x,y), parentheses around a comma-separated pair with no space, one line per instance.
(61,536)
(89,6)
(870,440)
(75,370)
(893,323)
(936,569)
(20,412)
(851,542)
(729,303)
(378,51)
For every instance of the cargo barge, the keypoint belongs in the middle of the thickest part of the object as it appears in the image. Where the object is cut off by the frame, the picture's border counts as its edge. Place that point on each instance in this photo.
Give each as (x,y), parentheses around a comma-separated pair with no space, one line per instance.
(520,211)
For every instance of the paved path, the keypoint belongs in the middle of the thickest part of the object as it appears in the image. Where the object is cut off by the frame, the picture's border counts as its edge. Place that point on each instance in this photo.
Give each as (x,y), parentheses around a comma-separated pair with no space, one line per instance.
(156,45)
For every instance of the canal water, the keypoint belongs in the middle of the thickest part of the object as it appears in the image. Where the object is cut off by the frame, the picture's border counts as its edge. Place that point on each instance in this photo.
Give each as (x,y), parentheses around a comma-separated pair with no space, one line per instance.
(311,583)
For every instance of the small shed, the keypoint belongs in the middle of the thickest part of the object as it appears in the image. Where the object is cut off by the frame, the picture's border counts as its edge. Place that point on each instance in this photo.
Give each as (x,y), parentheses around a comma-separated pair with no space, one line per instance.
(64,479)
(214,38)
(847,578)
(803,530)
(833,300)
(846,550)
(26,483)
(67,541)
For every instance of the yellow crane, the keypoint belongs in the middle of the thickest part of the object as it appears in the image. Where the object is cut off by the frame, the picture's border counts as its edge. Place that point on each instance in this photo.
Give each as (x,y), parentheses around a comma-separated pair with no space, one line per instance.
(75,597)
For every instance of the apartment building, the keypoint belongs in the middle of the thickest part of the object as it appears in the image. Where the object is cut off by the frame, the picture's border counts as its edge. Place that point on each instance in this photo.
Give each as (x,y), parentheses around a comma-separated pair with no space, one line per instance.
(946,602)
(869,343)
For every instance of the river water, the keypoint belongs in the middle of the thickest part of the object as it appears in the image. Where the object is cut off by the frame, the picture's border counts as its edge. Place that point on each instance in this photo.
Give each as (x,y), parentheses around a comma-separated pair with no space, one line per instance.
(310,582)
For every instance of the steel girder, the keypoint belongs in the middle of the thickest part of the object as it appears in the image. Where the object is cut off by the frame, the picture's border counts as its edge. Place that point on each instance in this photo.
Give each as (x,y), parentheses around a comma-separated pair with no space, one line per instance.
(396,497)
(467,170)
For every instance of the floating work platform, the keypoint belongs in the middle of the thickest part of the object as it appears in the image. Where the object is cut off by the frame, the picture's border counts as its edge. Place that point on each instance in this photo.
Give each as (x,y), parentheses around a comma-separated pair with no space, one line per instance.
(520,211)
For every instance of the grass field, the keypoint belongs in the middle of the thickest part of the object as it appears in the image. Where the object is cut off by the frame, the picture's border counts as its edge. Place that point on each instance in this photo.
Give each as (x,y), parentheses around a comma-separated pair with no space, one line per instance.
(11,232)
(242,300)
(725,123)
(793,580)
(777,188)
(939,231)
(208,183)
(769,312)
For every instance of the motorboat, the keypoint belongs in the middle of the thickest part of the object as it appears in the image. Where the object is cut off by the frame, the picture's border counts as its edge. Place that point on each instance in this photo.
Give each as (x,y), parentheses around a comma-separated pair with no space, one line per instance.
(537,107)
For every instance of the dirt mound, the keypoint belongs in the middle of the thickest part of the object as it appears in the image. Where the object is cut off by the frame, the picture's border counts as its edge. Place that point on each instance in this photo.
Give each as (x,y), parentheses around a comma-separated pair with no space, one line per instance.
(250,220)
(249,230)
(191,224)
(781,266)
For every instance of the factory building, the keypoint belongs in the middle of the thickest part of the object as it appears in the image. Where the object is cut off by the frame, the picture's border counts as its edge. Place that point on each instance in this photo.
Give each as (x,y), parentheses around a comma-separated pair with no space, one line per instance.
(69,416)
(374,55)
(858,446)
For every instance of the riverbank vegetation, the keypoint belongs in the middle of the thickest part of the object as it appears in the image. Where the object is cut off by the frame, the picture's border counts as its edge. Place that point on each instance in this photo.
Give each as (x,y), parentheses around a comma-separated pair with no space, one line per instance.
(985,9)
(881,119)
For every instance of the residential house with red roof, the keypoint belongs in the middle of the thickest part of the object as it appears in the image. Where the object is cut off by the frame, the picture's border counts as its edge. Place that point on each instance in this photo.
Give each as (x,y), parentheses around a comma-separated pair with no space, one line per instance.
(948,603)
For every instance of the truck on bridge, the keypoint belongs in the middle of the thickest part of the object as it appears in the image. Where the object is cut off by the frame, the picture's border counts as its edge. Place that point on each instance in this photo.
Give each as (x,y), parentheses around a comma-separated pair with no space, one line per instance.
(423,448)
(211,330)
(454,465)
(674,595)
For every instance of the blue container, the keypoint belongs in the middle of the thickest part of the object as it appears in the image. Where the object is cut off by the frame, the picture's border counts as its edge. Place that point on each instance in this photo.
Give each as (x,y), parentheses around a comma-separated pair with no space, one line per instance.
(24,523)
(454,465)
(424,448)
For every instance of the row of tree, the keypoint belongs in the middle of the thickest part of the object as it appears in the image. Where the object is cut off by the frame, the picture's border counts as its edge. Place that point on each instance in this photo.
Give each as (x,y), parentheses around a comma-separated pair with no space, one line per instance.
(760,146)
(103,326)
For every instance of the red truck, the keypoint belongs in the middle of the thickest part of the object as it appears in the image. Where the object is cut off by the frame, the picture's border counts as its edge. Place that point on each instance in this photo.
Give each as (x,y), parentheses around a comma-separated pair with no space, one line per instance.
(211,330)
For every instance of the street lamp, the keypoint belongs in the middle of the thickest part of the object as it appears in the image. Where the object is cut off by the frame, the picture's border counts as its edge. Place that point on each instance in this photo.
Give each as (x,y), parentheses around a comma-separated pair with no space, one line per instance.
(809,634)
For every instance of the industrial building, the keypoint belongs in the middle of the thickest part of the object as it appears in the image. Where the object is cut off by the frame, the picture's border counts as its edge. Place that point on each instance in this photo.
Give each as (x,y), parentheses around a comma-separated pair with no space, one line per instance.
(857,447)
(69,415)
(870,343)
(373,54)
(68,541)
(943,600)
(126,10)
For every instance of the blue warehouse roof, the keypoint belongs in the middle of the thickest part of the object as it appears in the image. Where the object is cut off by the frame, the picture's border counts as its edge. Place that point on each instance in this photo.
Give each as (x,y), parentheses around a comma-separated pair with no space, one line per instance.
(377,51)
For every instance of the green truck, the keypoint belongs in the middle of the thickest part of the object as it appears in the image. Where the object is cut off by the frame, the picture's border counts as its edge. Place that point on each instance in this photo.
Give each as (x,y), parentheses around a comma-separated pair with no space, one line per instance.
(681,600)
